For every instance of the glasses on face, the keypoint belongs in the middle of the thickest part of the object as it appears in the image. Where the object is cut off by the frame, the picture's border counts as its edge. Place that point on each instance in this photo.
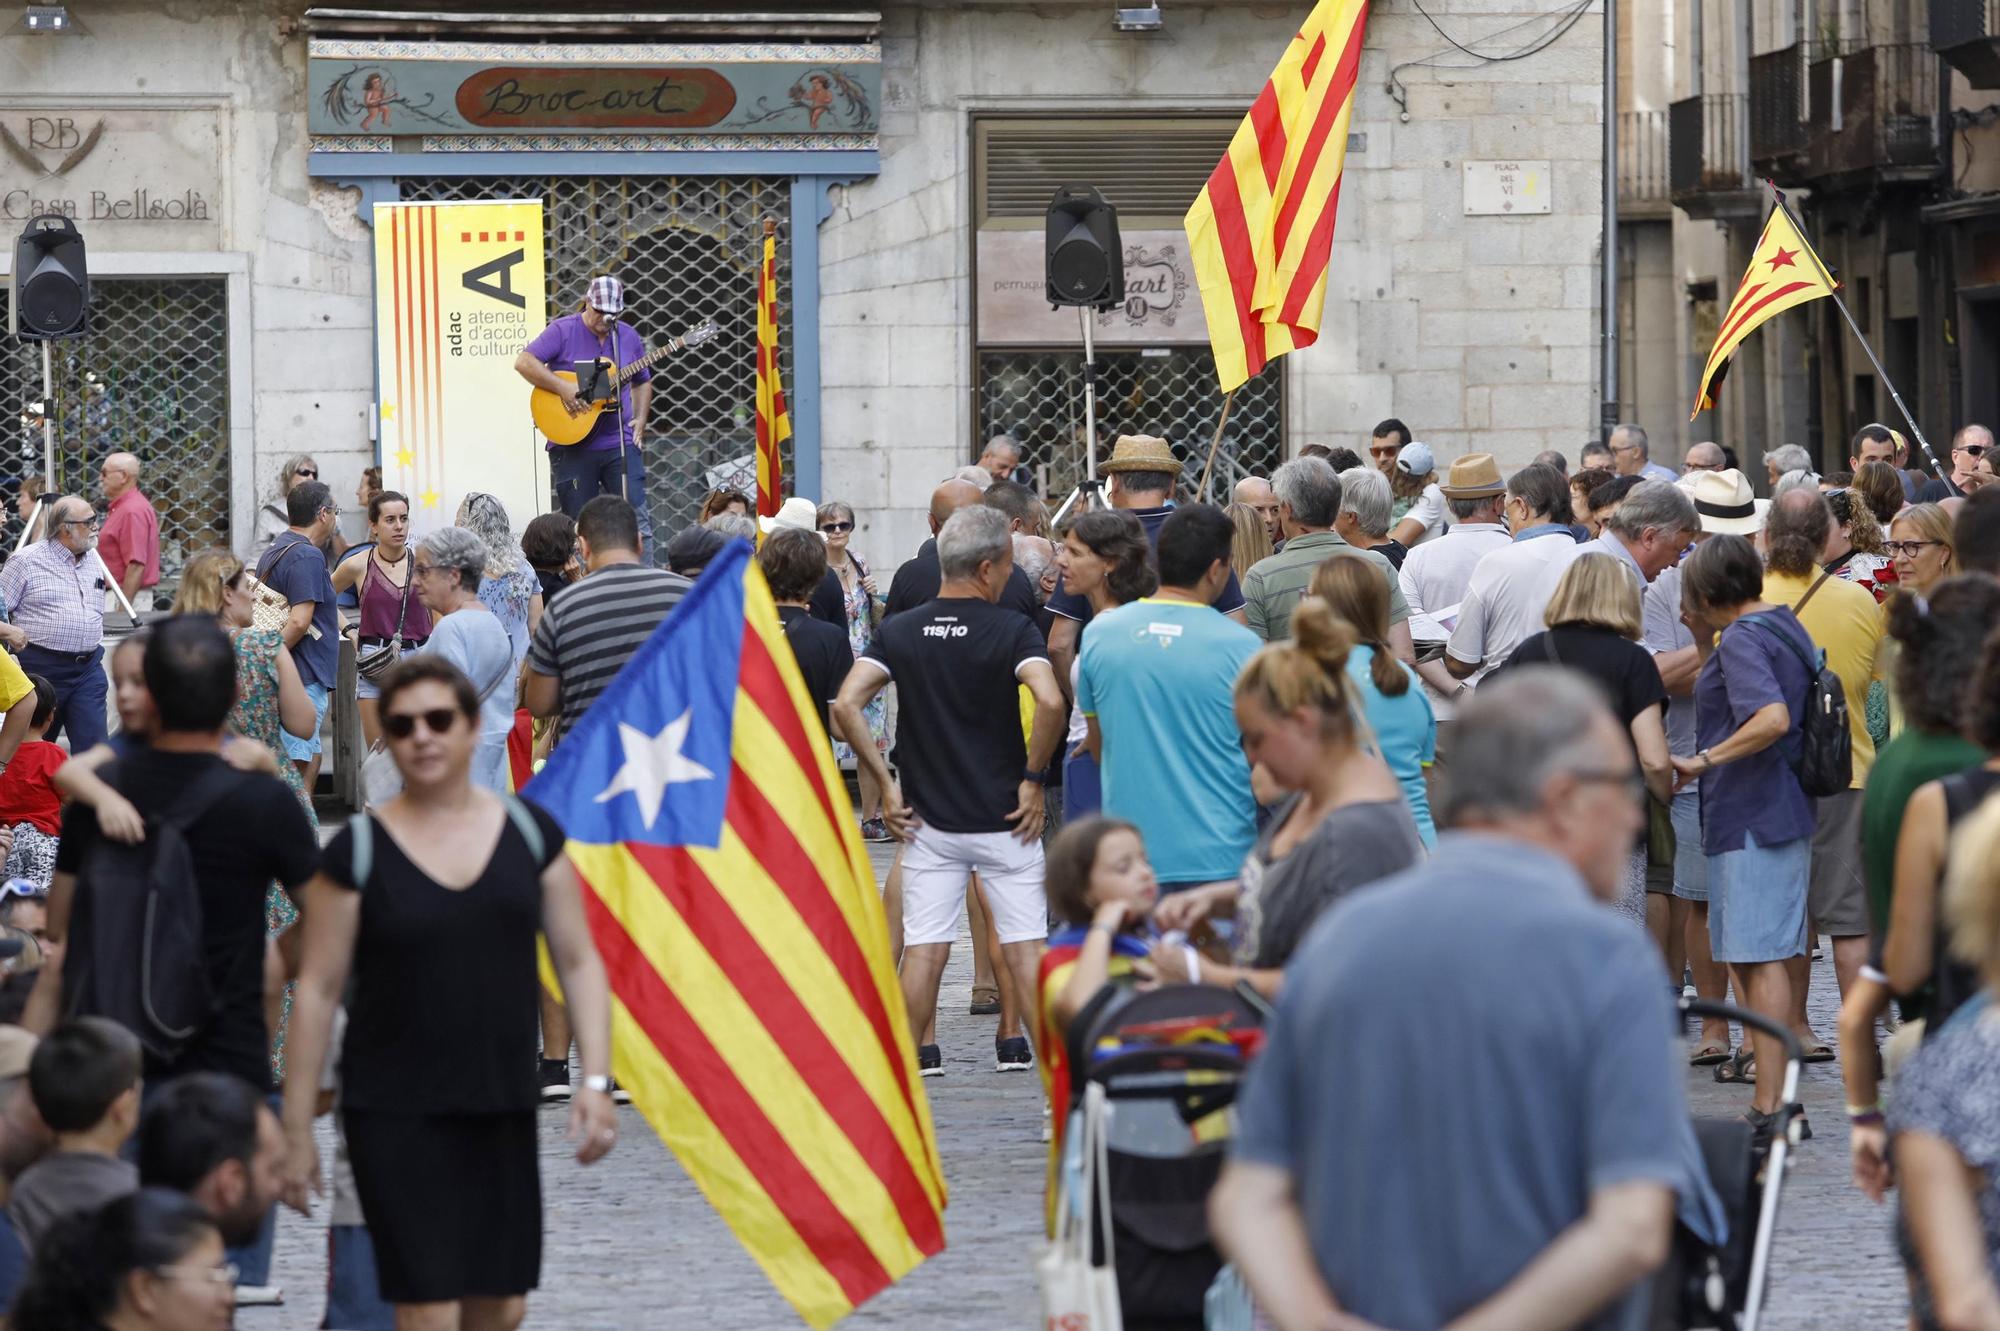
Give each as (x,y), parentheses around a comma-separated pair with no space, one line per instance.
(225,1274)
(402,725)
(835,528)
(91,522)
(423,570)
(305,474)
(1910,548)
(1384,450)
(1973,450)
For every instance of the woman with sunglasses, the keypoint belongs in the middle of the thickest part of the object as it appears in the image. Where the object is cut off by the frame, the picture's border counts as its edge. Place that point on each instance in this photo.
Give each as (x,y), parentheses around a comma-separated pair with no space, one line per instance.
(391,612)
(449,573)
(149,1261)
(433,902)
(1921,543)
(863,601)
(272,520)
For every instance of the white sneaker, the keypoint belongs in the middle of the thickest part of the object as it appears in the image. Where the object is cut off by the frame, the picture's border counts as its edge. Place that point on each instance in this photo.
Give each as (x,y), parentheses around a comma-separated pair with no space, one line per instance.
(259,1296)
(1048,1123)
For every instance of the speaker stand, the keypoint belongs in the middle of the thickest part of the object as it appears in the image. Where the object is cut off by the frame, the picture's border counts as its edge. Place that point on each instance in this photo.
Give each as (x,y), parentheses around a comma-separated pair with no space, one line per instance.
(1089,484)
(48,420)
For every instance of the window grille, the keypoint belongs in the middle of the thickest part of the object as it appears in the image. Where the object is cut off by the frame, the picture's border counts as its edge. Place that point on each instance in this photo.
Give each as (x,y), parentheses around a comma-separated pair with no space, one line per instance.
(687,248)
(151,378)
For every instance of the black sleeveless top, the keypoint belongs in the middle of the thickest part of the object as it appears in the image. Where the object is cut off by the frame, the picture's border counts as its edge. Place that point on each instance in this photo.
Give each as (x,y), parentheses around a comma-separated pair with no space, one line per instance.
(1955,981)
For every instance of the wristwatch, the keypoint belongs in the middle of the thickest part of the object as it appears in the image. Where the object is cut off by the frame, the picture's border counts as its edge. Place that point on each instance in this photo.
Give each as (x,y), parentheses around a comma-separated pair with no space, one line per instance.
(1707,763)
(1040,778)
(602,1085)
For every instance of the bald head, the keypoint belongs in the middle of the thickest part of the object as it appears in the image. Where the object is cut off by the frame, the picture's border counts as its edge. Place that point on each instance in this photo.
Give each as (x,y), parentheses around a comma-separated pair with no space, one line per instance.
(1258,494)
(119,473)
(950,497)
(1704,456)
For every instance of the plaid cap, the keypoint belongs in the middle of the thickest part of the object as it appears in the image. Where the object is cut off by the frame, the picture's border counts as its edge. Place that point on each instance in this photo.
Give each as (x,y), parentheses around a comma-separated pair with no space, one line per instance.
(607,295)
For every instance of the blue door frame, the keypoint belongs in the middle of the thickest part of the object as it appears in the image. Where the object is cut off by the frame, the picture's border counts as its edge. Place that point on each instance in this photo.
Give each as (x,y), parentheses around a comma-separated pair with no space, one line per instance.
(378,176)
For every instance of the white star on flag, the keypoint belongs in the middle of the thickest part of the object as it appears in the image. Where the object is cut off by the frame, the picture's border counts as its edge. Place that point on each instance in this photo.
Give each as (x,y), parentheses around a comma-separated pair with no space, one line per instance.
(652,763)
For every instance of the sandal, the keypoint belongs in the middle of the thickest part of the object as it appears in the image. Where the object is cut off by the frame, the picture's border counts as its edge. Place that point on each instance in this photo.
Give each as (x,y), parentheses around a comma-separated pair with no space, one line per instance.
(1709,1055)
(1764,1126)
(1741,1068)
(1817,1051)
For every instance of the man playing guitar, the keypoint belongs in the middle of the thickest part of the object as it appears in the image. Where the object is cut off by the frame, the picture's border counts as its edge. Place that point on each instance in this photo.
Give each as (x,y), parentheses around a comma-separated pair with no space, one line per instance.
(593,467)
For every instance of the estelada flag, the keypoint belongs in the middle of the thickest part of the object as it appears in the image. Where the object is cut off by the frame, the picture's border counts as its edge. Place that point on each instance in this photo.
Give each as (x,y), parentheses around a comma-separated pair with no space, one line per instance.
(1784,272)
(774,421)
(1261,231)
(756,1017)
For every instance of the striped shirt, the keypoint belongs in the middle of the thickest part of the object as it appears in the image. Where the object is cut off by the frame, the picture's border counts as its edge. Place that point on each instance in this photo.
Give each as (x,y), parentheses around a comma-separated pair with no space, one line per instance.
(56,596)
(592,630)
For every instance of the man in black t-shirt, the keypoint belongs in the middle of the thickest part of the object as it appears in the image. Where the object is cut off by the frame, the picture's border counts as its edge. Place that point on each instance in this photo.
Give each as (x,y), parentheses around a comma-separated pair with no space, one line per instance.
(977,787)
(919,579)
(249,832)
(794,561)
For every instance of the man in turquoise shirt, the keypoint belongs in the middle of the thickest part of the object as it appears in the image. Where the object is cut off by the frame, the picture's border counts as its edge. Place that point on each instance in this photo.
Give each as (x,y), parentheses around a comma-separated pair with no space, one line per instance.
(1157,684)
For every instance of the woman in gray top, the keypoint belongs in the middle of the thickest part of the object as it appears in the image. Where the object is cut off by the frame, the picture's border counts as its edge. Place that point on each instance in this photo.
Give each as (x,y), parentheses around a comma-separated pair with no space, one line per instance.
(1345,822)
(449,567)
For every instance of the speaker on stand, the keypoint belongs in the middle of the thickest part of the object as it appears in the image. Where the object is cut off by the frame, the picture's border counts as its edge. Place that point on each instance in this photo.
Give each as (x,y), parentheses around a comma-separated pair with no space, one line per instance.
(1084,266)
(51,300)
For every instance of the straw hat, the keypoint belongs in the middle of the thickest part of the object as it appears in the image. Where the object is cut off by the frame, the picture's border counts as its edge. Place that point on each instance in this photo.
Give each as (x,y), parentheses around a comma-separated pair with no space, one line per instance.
(1474,476)
(1726,504)
(1142,452)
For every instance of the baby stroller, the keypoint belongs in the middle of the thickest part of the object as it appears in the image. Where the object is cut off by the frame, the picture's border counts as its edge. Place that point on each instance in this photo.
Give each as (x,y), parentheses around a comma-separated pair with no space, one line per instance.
(1708,1288)
(1170,1061)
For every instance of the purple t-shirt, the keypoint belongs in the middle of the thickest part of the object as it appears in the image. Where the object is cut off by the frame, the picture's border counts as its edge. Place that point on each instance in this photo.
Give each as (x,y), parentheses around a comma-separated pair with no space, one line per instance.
(1759,660)
(566,341)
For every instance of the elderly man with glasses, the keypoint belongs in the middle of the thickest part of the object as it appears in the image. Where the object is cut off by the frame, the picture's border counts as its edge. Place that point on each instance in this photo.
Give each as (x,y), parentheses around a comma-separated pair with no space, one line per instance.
(54,591)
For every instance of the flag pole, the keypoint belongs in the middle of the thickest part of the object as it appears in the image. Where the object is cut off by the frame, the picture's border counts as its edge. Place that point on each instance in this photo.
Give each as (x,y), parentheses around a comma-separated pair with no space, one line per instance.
(1862,338)
(1228,400)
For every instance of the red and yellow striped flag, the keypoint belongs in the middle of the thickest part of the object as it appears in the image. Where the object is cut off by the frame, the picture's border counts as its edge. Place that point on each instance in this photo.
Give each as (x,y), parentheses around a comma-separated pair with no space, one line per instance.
(774,422)
(1783,272)
(1261,231)
(756,1017)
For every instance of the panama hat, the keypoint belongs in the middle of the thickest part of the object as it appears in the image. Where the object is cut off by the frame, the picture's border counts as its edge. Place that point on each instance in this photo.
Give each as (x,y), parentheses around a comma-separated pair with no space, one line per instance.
(1474,476)
(794,512)
(1142,452)
(1726,504)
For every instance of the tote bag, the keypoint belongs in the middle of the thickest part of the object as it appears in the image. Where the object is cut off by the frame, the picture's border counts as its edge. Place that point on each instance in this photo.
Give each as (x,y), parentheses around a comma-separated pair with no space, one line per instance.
(1078,1294)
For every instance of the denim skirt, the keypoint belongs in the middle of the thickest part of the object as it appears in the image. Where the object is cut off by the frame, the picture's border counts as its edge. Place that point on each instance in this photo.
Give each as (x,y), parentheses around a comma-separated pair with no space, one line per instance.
(1757,901)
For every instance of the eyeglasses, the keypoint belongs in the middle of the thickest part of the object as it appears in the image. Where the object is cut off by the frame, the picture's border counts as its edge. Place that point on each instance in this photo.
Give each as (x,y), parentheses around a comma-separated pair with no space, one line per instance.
(423,570)
(225,1274)
(92,522)
(1895,548)
(402,725)
(1973,450)
(303,474)
(835,528)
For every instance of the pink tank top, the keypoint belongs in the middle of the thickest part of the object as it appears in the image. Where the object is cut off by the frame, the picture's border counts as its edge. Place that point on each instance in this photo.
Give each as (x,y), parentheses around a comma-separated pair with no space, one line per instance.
(382,602)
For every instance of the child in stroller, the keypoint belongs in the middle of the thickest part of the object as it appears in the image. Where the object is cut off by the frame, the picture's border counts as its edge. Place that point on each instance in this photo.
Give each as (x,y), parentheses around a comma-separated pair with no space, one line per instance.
(1169,1059)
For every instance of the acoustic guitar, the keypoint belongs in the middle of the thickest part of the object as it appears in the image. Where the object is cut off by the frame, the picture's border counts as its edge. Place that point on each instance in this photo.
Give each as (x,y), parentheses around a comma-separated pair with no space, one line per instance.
(598,382)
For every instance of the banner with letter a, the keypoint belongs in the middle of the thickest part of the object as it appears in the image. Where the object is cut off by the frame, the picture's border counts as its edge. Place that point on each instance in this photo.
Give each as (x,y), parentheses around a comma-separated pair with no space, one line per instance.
(459,291)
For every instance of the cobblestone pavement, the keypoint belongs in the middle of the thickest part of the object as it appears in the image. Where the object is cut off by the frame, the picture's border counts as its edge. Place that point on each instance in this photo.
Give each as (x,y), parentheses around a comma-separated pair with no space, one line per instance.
(632,1244)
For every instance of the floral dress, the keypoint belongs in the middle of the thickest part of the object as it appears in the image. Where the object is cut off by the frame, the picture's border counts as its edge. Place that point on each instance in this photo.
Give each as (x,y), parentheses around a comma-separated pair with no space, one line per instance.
(860,632)
(255,716)
(508,599)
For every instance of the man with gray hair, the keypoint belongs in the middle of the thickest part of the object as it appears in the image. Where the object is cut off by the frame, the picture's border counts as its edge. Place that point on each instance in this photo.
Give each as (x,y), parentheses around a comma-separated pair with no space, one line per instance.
(1704,456)
(1308,506)
(54,592)
(1560,1189)
(1366,506)
(1631,455)
(1002,458)
(957,661)
(1785,458)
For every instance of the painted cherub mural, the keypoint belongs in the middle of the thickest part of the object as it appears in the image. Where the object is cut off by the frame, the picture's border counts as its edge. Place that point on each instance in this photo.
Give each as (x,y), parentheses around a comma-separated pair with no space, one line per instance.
(821,92)
(377,97)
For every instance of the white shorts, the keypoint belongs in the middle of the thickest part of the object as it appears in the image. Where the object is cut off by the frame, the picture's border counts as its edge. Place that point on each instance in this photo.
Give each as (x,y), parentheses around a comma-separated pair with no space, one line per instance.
(935,865)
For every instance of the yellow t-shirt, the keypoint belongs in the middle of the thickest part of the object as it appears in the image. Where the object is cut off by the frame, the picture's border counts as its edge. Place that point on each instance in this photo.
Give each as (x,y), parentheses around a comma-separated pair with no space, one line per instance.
(14,684)
(1846,624)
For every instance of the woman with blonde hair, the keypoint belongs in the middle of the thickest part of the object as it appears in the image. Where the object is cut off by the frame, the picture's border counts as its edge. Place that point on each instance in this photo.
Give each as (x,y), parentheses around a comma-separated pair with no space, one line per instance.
(508,587)
(1594,623)
(1252,541)
(1404,726)
(1922,543)
(272,517)
(1941,1119)
(1344,822)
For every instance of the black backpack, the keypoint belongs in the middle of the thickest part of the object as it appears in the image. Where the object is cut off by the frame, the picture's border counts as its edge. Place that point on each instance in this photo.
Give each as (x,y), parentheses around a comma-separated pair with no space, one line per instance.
(135,944)
(1824,763)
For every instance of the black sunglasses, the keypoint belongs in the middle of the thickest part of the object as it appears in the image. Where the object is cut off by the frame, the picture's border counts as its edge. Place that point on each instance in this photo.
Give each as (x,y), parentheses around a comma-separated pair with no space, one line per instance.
(402,725)
(309,475)
(836,527)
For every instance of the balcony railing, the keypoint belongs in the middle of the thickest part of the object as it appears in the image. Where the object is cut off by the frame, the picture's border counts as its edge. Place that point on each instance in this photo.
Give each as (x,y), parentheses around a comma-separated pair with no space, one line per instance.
(1642,161)
(1778,114)
(1708,167)
(1967,34)
(1873,109)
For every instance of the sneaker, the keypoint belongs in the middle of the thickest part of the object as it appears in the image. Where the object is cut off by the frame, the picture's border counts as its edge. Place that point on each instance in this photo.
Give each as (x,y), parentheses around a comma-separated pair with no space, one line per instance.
(1012,1055)
(619,1095)
(930,1061)
(259,1296)
(555,1084)
(874,829)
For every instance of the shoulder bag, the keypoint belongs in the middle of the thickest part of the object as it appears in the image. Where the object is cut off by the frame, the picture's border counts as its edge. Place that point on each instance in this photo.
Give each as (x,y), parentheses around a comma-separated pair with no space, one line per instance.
(269,608)
(374,662)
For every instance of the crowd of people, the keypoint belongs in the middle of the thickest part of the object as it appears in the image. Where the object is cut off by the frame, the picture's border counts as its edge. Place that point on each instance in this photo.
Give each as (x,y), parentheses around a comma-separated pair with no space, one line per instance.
(1355,743)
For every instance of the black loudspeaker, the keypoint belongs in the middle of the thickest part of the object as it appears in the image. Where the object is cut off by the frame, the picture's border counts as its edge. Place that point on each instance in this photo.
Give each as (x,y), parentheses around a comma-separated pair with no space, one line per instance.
(51,284)
(1085,262)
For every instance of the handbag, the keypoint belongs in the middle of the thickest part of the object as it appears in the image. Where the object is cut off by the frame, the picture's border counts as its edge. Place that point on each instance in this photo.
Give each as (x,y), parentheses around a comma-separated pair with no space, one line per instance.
(381,779)
(269,608)
(374,662)
(1079,1294)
